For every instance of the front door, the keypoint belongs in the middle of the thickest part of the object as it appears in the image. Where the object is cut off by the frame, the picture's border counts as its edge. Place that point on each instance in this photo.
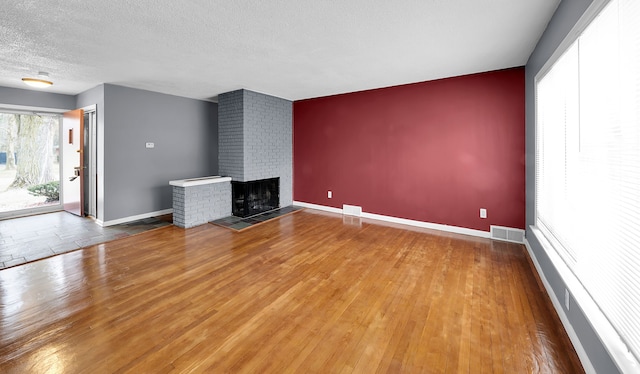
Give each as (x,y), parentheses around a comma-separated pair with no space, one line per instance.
(72,162)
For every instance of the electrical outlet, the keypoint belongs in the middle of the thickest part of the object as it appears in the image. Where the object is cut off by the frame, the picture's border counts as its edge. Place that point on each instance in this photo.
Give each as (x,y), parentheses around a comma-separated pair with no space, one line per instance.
(329,194)
(566,298)
(483,213)
(149,145)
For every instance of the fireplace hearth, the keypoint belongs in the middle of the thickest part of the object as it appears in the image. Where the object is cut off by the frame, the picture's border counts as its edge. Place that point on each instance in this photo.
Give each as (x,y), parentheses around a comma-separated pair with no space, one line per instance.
(254,197)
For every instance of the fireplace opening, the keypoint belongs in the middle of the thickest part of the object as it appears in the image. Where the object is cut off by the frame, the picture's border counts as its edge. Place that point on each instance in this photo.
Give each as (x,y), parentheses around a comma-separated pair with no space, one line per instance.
(254,197)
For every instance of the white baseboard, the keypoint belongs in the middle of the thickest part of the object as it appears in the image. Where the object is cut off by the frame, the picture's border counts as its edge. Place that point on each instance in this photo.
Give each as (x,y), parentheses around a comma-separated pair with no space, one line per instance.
(582,354)
(134,218)
(403,221)
(428,225)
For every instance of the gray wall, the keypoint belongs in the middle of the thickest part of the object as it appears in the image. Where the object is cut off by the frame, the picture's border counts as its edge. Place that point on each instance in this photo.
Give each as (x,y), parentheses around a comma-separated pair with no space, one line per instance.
(256,139)
(136,179)
(565,17)
(40,99)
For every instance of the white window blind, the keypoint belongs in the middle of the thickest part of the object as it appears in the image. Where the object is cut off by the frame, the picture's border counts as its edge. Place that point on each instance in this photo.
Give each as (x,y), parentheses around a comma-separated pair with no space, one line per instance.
(588,163)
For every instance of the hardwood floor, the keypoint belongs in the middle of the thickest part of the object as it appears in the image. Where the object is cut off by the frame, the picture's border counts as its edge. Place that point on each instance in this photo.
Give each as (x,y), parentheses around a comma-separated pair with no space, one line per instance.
(303,293)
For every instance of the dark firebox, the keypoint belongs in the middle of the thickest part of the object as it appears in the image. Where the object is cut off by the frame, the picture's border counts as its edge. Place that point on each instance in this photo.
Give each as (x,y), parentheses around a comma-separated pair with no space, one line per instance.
(253,197)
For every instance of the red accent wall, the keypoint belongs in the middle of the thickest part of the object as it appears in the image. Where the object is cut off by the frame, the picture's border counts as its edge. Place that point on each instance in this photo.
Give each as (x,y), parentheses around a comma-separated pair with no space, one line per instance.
(434,151)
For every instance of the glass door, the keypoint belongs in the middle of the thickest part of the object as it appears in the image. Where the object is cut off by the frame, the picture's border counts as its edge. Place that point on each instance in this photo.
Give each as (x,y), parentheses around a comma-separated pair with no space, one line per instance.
(29,163)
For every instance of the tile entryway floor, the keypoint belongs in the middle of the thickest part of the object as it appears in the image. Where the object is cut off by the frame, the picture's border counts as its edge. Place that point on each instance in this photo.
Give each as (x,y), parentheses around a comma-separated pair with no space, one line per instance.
(238,223)
(32,238)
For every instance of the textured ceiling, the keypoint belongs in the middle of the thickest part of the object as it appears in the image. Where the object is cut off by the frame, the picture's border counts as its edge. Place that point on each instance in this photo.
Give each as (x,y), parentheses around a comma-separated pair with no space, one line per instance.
(293,49)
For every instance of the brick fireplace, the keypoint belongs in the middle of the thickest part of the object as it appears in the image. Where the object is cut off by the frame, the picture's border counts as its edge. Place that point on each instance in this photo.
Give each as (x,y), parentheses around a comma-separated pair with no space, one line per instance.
(255,140)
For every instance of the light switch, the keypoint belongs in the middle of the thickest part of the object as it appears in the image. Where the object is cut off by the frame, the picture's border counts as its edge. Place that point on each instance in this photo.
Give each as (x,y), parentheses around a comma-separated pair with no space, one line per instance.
(150,145)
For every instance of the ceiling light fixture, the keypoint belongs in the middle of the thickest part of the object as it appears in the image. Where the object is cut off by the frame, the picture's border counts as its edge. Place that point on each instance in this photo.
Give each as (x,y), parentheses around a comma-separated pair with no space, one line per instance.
(41,82)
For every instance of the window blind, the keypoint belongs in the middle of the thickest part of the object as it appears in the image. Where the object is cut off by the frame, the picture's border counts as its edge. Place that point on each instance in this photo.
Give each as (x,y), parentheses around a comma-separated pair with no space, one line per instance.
(588,163)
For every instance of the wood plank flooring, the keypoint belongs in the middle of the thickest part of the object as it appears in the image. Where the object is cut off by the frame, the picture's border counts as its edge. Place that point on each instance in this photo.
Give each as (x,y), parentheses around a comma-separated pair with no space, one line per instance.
(306,293)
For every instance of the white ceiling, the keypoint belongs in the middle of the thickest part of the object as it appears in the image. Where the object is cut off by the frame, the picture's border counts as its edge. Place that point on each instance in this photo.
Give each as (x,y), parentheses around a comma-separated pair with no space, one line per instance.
(294,49)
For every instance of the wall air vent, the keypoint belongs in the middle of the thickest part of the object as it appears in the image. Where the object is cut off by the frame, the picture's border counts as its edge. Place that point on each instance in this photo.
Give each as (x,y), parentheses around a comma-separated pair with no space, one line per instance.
(507,234)
(351,210)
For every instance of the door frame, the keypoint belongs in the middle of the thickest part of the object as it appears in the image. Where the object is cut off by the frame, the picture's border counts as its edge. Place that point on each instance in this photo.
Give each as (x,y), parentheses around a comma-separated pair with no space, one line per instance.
(98,155)
(91,158)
